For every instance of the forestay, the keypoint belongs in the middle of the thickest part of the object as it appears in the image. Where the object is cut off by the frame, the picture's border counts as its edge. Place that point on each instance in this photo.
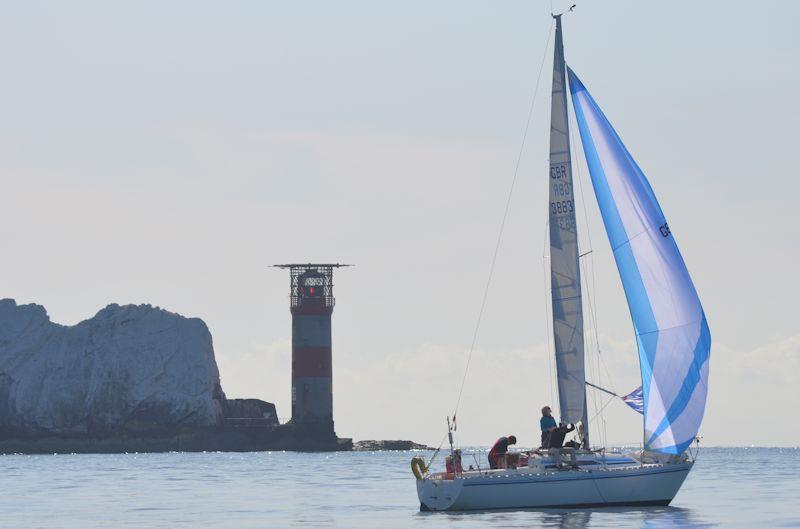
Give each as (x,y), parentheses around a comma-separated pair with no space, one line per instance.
(671,330)
(565,278)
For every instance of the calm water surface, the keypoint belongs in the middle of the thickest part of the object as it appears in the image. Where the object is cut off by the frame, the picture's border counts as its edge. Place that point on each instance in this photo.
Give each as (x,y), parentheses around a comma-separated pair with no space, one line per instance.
(730,487)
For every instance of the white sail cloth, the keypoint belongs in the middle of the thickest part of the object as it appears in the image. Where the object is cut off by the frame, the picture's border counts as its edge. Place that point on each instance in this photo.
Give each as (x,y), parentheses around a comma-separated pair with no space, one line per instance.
(671,330)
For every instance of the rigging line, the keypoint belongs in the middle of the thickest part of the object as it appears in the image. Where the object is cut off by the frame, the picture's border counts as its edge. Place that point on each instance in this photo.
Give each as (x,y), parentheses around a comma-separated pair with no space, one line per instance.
(503,221)
(604,390)
(592,306)
(593,295)
(430,462)
(547,321)
(610,399)
(591,292)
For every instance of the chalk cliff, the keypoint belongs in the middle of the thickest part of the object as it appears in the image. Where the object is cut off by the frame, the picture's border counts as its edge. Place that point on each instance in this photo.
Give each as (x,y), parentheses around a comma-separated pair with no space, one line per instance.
(132,368)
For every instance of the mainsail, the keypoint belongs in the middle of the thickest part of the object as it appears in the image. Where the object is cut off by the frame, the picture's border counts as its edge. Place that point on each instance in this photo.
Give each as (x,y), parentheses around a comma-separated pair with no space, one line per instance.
(671,330)
(565,277)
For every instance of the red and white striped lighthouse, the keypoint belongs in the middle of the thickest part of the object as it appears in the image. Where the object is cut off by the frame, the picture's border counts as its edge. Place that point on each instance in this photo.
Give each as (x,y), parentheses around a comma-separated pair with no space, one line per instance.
(311,304)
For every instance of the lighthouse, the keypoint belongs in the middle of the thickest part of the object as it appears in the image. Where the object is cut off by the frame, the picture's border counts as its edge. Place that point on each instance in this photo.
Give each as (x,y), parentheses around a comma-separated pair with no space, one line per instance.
(311,304)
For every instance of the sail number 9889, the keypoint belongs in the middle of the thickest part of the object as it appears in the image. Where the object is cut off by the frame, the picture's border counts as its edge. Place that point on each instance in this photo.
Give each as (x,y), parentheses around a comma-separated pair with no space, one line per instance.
(562,206)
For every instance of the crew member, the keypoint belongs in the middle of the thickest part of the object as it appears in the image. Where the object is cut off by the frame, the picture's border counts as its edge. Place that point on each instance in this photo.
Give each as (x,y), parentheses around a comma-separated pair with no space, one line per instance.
(448,463)
(548,425)
(499,451)
(552,433)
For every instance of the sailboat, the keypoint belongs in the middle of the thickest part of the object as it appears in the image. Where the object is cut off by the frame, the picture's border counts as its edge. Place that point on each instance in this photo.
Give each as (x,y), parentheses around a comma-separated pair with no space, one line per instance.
(670,326)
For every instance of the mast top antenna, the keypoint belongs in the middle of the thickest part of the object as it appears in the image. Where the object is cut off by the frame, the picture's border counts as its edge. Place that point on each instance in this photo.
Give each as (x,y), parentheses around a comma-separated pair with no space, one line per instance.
(573,6)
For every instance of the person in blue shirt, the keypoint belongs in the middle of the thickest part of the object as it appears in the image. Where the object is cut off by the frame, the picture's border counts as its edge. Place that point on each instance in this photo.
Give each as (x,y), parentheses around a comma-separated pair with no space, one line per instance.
(550,427)
(548,424)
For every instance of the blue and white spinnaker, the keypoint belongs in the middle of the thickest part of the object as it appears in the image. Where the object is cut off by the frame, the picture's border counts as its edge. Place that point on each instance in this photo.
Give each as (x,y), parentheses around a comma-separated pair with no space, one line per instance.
(671,330)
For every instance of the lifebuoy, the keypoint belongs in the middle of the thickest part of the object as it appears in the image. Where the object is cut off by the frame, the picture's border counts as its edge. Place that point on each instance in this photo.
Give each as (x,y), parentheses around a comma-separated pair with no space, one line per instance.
(418,467)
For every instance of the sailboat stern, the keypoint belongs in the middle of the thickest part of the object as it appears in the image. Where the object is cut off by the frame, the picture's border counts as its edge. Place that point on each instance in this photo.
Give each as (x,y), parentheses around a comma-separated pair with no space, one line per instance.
(437,494)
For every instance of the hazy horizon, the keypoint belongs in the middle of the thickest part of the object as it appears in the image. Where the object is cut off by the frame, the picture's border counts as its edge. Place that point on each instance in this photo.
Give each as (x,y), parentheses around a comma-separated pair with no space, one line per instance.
(169,154)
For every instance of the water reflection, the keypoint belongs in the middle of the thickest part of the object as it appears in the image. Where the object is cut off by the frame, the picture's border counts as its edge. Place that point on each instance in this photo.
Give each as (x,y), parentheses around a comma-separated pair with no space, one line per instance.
(567,519)
(667,517)
(610,517)
(646,518)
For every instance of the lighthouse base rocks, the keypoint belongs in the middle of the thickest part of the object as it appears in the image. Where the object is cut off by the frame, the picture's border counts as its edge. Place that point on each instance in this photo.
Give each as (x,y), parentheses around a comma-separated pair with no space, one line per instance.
(133,378)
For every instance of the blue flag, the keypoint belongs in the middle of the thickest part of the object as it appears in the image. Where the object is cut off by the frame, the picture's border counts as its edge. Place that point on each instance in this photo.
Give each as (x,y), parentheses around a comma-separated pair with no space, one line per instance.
(635,400)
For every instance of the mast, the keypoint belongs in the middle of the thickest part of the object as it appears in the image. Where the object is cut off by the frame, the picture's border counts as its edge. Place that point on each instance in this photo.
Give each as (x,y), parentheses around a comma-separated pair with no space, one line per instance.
(565,276)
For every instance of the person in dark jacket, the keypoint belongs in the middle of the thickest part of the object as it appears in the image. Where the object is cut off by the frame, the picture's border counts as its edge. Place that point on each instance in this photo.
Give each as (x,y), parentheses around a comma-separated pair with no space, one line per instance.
(552,433)
(499,451)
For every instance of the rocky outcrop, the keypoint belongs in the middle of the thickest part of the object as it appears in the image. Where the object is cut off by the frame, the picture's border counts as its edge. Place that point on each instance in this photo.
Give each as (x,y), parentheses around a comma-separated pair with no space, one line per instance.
(372,445)
(129,369)
(249,413)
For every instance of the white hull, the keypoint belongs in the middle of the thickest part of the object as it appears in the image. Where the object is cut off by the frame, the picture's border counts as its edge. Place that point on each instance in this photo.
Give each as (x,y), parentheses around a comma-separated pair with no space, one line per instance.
(648,484)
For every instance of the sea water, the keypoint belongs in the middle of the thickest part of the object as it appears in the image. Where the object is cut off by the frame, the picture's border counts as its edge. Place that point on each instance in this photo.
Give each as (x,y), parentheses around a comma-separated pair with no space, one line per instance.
(728,487)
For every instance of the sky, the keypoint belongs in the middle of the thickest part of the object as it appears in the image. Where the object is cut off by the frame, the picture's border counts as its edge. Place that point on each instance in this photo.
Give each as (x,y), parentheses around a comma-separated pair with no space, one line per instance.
(168,153)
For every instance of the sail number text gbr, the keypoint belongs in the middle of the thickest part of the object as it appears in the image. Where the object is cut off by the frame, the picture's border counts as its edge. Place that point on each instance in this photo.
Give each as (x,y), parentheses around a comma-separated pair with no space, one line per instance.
(561,188)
